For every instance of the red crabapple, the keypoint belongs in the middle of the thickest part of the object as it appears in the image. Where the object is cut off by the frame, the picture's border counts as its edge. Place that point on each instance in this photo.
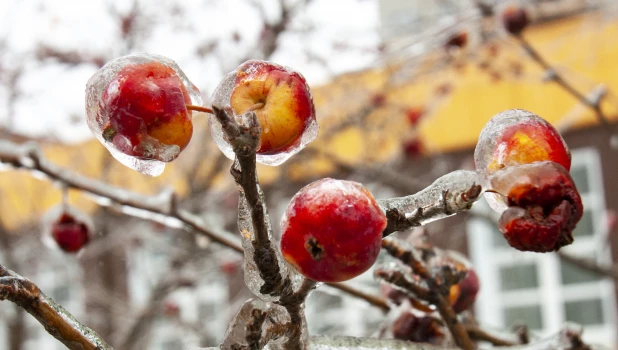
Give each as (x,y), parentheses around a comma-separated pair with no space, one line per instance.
(67,228)
(137,106)
(544,206)
(282,101)
(332,230)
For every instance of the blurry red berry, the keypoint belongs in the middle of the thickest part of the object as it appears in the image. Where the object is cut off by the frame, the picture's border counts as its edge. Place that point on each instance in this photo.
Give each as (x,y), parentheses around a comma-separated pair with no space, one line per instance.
(414,115)
(413,148)
(463,294)
(171,309)
(378,100)
(457,40)
(422,329)
(515,20)
(70,234)
(332,230)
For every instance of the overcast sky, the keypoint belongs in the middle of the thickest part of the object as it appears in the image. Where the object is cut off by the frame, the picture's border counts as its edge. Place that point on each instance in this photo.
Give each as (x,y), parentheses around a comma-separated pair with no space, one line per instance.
(327,37)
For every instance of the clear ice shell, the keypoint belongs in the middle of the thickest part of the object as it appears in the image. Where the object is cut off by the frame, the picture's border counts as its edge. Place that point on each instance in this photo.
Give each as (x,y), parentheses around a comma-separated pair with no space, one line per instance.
(97,117)
(221,98)
(53,214)
(443,198)
(487,143)
(253,280)
(276,315)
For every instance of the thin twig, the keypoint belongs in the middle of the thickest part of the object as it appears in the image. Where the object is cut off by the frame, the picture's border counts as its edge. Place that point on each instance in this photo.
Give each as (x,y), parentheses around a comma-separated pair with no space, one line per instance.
(437,298)
(594,104)
(610,271)
(29,157)
(57,321)
(479,334)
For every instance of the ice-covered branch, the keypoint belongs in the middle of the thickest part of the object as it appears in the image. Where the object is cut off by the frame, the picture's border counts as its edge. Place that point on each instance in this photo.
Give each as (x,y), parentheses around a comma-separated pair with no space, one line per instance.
(567,339)
(57,321)
(244,138)
(156,208)
(449,195)
(439,287)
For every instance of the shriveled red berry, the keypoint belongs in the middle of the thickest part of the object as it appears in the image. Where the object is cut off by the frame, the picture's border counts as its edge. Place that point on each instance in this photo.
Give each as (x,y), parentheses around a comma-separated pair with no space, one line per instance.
(332,230)
(515,20)
(70,234)
(422,329)
(544,206)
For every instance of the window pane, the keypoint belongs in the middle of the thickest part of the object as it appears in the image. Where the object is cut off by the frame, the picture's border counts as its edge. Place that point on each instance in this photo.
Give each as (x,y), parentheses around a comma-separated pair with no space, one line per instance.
(572,274)
(580,176)
(529,315)
(584,226)
(498,239)
(518,277)
(584,312)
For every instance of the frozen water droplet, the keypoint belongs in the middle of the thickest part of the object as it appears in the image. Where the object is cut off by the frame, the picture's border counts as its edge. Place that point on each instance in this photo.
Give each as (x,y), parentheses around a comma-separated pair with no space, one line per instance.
(140,151)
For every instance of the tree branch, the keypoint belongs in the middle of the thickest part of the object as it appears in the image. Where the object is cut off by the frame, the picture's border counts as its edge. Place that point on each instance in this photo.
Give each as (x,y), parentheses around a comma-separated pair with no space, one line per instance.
(438,291)
(593,103)
(29,157)
(57,321)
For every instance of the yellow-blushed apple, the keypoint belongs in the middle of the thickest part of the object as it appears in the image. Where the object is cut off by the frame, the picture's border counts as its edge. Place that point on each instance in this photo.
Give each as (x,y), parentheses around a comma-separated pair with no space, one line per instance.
(281,99)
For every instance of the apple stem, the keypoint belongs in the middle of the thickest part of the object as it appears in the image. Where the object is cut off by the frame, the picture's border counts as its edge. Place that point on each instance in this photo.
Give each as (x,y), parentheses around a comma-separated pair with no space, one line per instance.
(200,109)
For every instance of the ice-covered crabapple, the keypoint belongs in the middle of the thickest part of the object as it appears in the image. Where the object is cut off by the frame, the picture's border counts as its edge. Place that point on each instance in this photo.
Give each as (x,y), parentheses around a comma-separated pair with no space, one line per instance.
(66,228)
(137,106)
(543,206)
(515,137)
(519,137)
(332,230)
(515,19)
(282,101)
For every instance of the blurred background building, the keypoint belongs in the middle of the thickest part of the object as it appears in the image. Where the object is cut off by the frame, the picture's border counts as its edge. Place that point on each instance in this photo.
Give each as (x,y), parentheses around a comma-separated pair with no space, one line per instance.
(397,109)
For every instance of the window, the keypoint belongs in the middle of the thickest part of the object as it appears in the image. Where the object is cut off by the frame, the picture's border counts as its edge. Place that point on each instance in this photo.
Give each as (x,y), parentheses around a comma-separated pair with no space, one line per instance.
(541,290)
(329,313)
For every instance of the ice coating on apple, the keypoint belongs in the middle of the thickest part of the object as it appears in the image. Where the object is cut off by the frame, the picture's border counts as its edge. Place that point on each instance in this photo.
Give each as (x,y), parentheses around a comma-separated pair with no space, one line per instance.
(66,228)
(282,101)
(515,137)
(332,230)
(136,107)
